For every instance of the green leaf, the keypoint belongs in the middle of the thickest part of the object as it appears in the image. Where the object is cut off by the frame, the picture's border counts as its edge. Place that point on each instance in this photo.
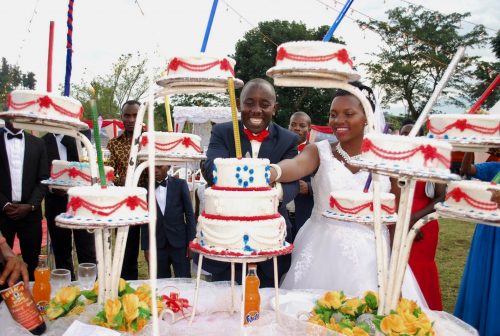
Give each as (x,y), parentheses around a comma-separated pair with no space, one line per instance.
(364,326)
(376,322)
(327,315)
(134,325)
(101,316)
(371,301)
(144,313)
(345,324)
(119,319)
(89,295)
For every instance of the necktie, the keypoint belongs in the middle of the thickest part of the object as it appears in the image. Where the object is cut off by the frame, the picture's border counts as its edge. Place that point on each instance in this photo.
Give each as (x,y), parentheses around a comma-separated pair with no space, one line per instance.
(301,147)
(259,137)
(12,136)
(162,183)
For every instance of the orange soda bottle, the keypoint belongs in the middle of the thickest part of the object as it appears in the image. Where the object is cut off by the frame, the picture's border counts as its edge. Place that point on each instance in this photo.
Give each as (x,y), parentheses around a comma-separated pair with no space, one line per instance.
(41,287)
(252,296)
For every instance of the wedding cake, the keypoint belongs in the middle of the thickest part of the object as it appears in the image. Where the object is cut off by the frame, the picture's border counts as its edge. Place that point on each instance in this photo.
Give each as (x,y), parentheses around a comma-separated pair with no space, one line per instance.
(44,105)
(106,206)
(173,144)
(464,126)
(470,197)
(241,211)
(312,63)
(75,173)
(358,205)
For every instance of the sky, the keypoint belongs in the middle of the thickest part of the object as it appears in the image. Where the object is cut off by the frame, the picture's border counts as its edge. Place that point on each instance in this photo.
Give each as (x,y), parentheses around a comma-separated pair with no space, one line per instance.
(105,29)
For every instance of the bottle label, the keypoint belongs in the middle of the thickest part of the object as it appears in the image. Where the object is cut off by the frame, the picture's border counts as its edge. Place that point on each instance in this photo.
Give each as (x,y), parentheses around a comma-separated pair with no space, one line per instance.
(42,306)
(21,306)
(252,316)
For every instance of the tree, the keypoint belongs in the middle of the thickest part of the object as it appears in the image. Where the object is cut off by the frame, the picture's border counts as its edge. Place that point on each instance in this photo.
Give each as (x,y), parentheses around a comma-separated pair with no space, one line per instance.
(127,80)
(495,44)
(11,78)
(419,45)
(256,53)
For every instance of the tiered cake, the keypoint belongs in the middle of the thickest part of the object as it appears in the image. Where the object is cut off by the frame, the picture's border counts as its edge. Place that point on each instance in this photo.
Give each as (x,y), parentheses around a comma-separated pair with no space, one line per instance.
(108,206)
(313,64)
(44,106)
(464,126)
(67,173)
(241,211)
(173,144)
(358,206)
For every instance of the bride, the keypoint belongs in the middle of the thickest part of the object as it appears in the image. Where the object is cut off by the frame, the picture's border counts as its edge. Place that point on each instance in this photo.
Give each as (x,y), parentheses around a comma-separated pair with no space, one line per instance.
(330,254)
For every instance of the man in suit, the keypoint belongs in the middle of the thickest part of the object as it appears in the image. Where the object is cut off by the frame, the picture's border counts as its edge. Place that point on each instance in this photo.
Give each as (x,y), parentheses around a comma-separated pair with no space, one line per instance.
(260,138)
(300,124)
(23,166)
(175,225)
(61,147)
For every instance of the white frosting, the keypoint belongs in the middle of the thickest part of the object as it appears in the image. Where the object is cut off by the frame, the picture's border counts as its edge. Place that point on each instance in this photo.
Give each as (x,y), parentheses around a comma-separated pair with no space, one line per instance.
(201,66)
(393,149)
(464,125)
(122,203)
(240,235)
(351,199)
(173,143)
(471,196)
(236,203)
(75,173)
(44,104)
(241,173)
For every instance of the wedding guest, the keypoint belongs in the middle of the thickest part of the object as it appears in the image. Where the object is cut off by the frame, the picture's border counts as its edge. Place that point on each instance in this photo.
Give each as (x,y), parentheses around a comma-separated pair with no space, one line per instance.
(24,166)
(260,138)
(119,150)
(175,225)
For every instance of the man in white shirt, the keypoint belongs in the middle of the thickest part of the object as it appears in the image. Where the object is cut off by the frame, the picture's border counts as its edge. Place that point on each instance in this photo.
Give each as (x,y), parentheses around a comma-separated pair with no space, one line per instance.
(23,165)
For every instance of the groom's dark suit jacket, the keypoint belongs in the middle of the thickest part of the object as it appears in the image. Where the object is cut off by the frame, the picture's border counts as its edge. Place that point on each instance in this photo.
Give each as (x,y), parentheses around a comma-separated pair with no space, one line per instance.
(279,145)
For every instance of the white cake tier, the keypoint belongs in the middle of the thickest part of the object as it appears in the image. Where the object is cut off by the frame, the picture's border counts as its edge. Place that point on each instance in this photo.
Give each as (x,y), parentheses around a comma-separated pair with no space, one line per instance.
(240,235)
(241,173)
(313,56)
(173,143)
(241,203)
(403,151)
(456,126)
(359,203)
(470,196)
(201,66)
(75,173)
(43,104)
(110,203)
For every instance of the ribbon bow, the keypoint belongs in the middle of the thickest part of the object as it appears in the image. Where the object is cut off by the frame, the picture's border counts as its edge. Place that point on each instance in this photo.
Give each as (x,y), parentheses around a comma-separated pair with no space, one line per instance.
(175,303)
(259,137)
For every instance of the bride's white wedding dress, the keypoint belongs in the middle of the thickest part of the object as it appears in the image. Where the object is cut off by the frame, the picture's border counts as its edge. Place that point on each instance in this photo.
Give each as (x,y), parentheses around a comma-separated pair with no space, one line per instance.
(335,255)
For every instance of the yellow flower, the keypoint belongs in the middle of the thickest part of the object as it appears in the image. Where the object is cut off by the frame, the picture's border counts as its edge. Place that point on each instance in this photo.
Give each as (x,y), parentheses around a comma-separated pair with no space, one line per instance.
(111,309)
(406,305)
(334,299)
(143,292)
(347,332)
(67,295)
(96,287)
(350,306)
(392,323)
(121,286)
(130,307)
(357,331)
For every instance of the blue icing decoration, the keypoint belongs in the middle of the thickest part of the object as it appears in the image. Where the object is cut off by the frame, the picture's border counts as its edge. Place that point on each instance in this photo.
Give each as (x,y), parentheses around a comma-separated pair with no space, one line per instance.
(245,184)
(215,168)
(237,175)
(240,181)
(251,179)
(431,136)
(251,171)
(268,168)
(238,168)
(245,168)
(246,238)
(214,179)
(249,249)
(446,136)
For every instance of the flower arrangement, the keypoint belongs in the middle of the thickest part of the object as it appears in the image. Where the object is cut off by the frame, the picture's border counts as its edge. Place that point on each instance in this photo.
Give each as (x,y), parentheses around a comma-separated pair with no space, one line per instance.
(65,302)
(357,316)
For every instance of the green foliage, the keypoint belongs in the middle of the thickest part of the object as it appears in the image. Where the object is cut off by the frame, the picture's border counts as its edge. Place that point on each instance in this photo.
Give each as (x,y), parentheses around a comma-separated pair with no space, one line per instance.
(11,77)
(495,44)
(484,75)
(255,54)
(419,45)
(127,80)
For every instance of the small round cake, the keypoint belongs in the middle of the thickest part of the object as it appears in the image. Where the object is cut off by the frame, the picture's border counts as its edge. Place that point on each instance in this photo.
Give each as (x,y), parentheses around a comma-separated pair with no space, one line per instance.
(109,206)
(312,64)
(67,173)
(241,211)
(173,144)
(471,197)
(44,106)
(358,206)
(464,126)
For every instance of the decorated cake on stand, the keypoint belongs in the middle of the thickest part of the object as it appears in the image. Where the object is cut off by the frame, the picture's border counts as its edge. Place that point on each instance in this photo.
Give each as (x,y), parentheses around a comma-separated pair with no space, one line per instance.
(173,145)
(66,174)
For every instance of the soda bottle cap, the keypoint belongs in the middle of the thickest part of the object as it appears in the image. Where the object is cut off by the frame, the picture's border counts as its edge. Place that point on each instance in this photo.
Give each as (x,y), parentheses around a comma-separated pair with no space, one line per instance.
(42,256)
(254,266)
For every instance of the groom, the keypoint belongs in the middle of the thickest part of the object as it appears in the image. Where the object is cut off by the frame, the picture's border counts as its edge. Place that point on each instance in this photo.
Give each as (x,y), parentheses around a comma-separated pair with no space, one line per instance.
(260,138)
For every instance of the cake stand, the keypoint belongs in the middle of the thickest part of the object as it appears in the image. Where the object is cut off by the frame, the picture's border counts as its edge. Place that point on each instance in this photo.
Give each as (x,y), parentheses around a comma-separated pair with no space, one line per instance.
(237,258)
(29,119)
(387,219)
(193,85)
(472,144)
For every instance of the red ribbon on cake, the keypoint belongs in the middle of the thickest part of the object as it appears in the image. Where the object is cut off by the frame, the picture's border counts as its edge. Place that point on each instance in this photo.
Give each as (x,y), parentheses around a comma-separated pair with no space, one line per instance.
(44,102)
(458,194)
(185,141)
(241,218)
(224,64)
(463,124)
(74,172)
(335,204)
(429,152)
(342,56)
(175,303)
(131,202)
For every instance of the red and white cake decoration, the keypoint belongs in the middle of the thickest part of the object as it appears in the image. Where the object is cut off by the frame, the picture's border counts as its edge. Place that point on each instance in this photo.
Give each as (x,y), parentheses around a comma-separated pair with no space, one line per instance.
(464,126)
(241,211)
(173,144)
(470,197)
(67,173)
(312,64)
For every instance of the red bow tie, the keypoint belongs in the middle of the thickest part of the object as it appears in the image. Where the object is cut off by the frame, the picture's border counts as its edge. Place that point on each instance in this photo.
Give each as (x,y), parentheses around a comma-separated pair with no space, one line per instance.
(301,147)
(259,137)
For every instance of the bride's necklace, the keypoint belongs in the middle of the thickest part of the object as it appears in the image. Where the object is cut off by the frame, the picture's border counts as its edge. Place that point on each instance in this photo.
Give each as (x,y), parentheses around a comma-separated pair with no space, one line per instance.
(344,154)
